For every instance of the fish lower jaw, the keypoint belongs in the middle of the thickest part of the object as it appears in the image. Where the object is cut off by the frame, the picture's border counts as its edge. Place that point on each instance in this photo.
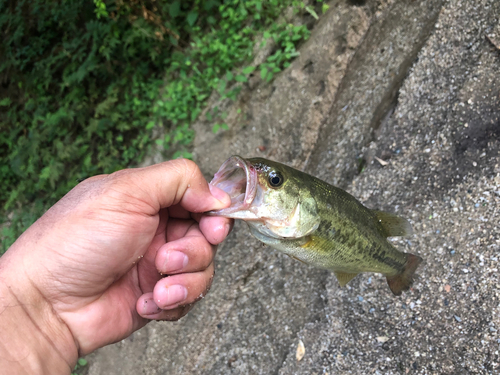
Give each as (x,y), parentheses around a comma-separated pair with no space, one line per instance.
(234,213)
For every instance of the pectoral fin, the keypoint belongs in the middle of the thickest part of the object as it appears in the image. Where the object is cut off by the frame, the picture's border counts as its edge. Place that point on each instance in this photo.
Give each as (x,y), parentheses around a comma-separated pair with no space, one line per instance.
(392,225)
(344,278)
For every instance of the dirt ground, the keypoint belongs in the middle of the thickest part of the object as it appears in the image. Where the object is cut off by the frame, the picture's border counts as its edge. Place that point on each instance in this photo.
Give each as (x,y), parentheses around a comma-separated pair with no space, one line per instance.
(398,102)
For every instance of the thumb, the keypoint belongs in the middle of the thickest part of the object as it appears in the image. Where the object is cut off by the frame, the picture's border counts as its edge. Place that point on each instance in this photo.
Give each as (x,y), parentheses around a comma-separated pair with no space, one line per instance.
(174,182)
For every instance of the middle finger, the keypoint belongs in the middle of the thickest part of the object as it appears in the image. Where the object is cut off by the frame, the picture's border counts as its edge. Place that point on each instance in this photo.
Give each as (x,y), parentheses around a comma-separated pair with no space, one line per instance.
(189,253)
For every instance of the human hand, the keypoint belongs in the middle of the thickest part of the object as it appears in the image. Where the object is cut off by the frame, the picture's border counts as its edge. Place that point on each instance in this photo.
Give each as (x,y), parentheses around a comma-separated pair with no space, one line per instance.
(92,261)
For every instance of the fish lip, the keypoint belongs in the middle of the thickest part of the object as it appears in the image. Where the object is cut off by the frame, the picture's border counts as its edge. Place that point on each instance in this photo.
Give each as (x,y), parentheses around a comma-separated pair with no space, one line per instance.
(226,168)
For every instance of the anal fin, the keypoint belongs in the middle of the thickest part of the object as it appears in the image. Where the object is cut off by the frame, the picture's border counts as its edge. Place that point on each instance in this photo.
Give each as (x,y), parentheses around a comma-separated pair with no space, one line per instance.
(393,225)
(343,278)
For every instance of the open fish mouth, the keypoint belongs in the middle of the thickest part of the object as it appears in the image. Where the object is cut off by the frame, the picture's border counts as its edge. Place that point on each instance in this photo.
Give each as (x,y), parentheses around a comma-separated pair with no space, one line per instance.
(238,178)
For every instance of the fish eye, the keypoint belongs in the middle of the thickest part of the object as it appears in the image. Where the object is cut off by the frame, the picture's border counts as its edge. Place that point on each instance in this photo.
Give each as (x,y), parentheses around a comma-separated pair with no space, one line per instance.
(275,179)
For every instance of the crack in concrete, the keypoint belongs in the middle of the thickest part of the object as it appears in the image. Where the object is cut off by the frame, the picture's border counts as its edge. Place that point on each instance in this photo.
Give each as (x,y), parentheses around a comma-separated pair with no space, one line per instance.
(359,107)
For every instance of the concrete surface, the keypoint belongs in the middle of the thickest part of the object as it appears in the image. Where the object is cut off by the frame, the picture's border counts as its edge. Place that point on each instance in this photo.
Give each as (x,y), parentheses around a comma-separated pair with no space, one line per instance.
(416,85)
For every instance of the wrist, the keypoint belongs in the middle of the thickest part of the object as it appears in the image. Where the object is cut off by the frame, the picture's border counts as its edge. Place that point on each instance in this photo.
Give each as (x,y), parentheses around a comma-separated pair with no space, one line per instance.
(33,340)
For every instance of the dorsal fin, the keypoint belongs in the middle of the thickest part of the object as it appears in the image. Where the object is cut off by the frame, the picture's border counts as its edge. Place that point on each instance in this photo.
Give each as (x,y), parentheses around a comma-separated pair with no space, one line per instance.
(392,225)
(344,278)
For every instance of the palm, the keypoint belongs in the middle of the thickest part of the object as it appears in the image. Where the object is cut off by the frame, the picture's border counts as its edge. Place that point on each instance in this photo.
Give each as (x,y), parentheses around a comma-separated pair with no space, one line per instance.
(122,272)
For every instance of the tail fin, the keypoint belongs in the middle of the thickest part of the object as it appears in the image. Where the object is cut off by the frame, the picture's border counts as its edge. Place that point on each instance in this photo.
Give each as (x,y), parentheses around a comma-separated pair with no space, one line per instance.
(403,281)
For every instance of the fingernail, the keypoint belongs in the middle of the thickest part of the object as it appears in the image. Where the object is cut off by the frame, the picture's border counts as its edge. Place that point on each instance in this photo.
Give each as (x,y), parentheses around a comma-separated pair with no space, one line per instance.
(149,307)
(174,294)
(175,261)
(220,195)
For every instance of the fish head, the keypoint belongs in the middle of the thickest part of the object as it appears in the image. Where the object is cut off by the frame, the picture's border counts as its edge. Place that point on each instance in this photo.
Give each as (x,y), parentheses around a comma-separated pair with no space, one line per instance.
(269,196)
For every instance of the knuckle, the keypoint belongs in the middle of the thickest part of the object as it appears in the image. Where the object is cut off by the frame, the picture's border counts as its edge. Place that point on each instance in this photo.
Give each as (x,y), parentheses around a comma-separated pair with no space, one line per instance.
(191,169)
(208,254)
(185,167)
(120,176)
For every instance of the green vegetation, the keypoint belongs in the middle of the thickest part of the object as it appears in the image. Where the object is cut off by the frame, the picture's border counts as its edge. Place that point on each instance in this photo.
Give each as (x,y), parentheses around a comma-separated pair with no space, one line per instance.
(80,366)
(85,85)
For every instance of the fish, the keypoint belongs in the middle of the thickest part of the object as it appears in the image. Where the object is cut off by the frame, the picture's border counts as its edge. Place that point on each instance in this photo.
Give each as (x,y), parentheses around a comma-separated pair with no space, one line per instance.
(315,222)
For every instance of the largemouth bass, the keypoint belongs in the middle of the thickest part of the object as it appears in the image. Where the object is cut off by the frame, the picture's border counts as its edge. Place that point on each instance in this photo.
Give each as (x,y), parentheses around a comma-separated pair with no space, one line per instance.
(315,222)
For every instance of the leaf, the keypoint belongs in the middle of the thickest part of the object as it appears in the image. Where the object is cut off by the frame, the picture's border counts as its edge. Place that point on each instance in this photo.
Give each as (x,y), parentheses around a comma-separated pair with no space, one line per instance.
(301,351)
(82,362)
(5,102)
(248,69)
(209,4)
(175,9)
(192,17)
(173,40)
(263,73)
(229,75)
(222,87)
(312,12)
(241,78)
(45,173)
(183,154)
